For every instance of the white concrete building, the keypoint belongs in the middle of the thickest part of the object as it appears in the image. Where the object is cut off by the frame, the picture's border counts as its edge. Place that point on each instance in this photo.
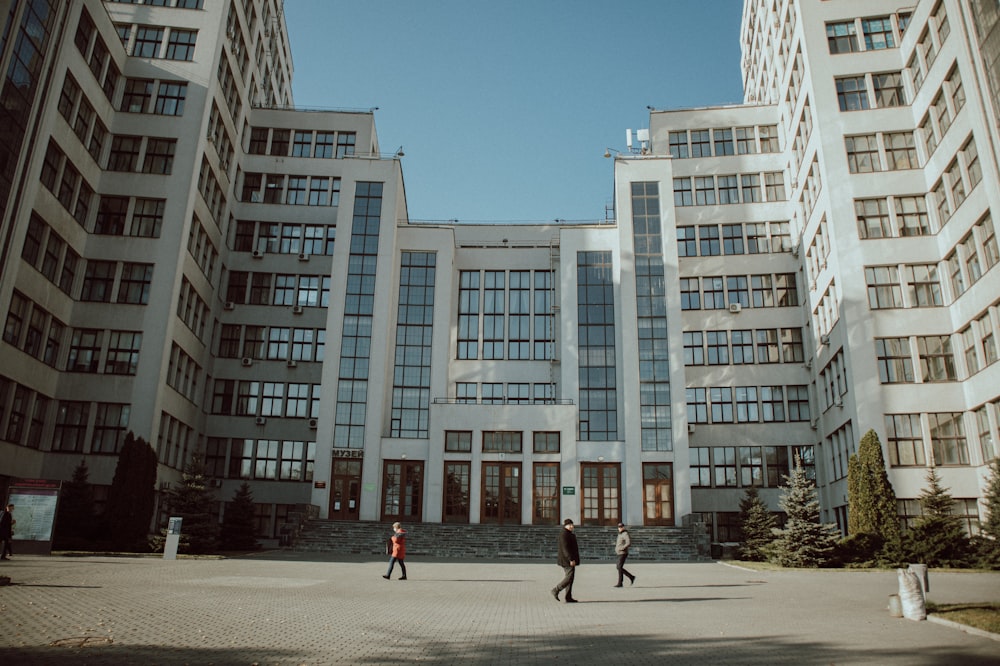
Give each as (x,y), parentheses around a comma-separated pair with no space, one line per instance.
(188,257)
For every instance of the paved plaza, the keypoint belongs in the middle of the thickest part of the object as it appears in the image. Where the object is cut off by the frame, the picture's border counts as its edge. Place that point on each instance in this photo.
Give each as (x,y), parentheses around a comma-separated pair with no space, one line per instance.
(303,608)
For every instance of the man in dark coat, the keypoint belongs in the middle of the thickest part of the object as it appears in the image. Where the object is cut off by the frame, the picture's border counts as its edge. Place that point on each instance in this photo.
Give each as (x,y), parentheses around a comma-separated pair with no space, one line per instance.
(569,558)
(6,531)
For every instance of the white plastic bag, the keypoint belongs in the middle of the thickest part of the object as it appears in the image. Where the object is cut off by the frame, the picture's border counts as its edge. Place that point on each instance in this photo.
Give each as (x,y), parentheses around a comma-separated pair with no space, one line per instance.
(911,595)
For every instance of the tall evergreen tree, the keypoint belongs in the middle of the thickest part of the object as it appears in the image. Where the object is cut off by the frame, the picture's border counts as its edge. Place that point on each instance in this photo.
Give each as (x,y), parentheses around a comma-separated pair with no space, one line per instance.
(75,521)
(988,541)
(192,501)
(937,537)
(757,524)
(238,524)
(871,508)
(132,496)
(804,541)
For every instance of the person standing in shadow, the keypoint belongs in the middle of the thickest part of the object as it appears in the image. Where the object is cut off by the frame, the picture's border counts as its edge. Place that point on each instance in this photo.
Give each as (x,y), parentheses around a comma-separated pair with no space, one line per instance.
(569,558)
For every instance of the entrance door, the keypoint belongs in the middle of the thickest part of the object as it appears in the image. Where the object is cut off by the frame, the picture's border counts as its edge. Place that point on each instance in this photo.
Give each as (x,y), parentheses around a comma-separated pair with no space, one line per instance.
(501,493)
(601,494)
(345,489)
(403,494)
(658,493)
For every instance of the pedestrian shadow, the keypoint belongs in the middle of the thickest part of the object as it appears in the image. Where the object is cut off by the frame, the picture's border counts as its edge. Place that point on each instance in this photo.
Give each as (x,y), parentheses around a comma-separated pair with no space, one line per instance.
(660,600)
(470,580)
(70,587)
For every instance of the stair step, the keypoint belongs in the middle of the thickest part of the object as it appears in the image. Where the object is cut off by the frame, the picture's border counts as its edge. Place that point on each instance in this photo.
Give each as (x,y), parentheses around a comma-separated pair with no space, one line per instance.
(500,541)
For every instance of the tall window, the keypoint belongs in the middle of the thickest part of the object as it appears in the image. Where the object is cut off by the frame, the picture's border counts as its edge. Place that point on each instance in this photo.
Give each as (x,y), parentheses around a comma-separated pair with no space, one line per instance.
(468,315)
(494,318)
(544,320)
(598,382)
(852,93)
(905,440)
(895,362)
(519,321)
(414,330)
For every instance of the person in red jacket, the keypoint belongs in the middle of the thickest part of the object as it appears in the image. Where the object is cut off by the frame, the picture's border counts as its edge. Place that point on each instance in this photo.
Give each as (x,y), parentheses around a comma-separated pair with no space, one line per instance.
(398,553)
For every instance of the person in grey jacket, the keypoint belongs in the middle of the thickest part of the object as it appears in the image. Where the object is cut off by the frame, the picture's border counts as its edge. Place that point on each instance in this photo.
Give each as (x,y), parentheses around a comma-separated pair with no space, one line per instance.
(622,545)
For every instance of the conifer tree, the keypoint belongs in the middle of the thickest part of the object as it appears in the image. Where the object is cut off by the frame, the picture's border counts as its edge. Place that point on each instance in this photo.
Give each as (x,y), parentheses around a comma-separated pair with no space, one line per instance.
(132,496)
(937,537)
(804,541)
(757,524)
(238,525)
(871,511)
(192,501)
(75,518)
(988,541)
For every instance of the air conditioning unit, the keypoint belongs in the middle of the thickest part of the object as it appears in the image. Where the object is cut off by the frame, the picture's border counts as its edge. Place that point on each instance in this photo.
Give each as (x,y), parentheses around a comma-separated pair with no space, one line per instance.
(296,309)
(291,363)
(260,420)
(735,308)
(690,428)
(795,250)
(824,339)
(814,424)
(313,423)
(257,254)
(246,362)
(303,257)
(808,363)
(839,401)
(229,305)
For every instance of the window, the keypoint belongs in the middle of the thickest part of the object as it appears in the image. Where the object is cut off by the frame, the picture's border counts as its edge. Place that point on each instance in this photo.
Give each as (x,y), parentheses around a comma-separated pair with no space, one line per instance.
(694,349)
(147,218)
(724,458)
(302,144)
(948,442)
(937,364)
(905,440)
(324,145)
(704,191)
(729,190)
(682,192)
(123,353)
(767,345)
(718,347)
(911,216)
(888,88)
(746,143)
(700,143)
(501,441)
(690,294)
(678,144)
(135,283)
(786,293)
(180,46)
(772,404)
(723,139)
(159,156)
(736,288)
(280,139)
(774,186)
(732,239)
(878,33)
(757,238)
(147,42)
(900,151)
(842,37)
(697,405)
(970,155)
(708,236)
(988,238)
(852,94)
(71,425)
(750,185)
(791,345)
(924,286)
(124,155)
(701,468)
(545,442)
(883,287)
(98,281)
(687,245)
(715,296)
(798,403)
(762,292)
(345,144)
(742,347)
(768,138)
(862,153)
(895,363)
(170,98)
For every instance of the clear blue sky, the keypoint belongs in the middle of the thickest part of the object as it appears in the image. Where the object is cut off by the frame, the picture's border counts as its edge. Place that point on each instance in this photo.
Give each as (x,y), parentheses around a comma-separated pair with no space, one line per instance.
(504,108)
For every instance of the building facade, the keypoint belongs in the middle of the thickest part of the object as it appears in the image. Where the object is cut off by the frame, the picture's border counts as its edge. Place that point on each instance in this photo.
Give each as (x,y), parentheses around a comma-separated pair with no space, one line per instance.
(188,257)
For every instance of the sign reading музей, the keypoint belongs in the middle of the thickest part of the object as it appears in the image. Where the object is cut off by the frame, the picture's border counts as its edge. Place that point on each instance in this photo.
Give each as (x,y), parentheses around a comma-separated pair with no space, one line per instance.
(35,502)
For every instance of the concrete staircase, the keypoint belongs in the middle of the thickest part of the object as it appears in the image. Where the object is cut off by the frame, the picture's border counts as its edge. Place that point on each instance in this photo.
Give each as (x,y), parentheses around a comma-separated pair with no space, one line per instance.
(674,544)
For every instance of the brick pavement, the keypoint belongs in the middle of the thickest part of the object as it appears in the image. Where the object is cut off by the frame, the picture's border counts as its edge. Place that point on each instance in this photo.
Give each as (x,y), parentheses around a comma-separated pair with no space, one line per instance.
(297,608)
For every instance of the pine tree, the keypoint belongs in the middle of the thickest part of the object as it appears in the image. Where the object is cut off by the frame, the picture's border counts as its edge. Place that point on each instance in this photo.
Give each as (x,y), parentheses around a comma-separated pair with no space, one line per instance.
(987,542)
(192,501)
(132,496)
(75,521)
(804,541)
(871,512)
(757,524)
(238,525)
(937,537)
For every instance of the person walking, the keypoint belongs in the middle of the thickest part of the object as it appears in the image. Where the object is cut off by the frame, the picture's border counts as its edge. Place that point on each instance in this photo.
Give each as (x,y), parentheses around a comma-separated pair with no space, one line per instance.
(7,531)
(569,558)
(398,553)
(622,545)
